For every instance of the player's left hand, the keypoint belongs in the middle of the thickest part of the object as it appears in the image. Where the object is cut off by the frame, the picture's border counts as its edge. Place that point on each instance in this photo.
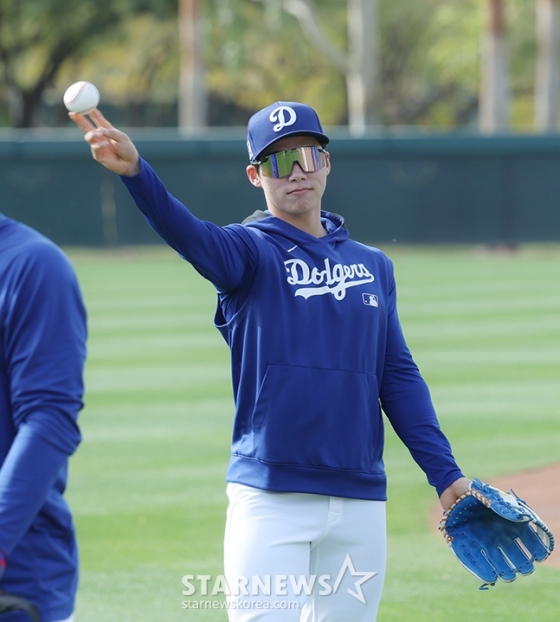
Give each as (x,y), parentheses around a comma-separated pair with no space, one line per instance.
(110,147)
(457,489)
(495,535)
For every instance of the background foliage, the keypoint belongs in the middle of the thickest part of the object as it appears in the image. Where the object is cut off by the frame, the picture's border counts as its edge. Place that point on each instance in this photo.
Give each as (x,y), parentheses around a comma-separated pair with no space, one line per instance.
(255,53)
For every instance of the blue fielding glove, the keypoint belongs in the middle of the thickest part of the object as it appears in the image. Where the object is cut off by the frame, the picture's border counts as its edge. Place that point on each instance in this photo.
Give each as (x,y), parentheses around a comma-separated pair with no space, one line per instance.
(495,534)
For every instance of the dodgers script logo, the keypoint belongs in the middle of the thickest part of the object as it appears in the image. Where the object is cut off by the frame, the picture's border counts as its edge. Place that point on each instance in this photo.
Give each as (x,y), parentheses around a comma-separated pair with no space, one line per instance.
(284,115)
(333,280)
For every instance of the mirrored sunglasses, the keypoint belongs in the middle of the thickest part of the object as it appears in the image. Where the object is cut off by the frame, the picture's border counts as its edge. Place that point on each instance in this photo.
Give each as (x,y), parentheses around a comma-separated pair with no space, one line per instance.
(280,164)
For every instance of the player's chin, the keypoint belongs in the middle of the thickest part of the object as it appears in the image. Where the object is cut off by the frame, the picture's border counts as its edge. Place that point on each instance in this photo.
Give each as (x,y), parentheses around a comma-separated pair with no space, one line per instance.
(303,201)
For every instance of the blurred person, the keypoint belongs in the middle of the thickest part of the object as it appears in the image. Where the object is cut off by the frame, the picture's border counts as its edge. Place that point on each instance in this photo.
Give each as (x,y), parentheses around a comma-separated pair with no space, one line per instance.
(42,353)
(317,352)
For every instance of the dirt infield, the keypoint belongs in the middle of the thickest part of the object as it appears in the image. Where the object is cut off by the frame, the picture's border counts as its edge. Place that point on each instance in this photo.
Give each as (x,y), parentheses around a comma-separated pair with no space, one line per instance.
(541,489)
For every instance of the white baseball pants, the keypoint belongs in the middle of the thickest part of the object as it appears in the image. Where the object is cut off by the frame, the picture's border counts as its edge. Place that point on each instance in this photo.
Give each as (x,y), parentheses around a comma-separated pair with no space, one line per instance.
(293,557)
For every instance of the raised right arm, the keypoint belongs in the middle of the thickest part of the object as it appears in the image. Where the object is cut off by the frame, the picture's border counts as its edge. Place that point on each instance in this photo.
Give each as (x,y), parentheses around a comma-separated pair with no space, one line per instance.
(223,255)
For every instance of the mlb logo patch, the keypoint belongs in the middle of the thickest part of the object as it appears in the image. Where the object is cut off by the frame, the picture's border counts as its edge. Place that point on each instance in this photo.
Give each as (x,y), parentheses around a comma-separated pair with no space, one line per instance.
(370,300)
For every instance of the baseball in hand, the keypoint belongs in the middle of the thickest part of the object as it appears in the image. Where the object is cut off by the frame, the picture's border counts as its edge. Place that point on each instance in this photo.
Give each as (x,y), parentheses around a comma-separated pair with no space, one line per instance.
(81,97)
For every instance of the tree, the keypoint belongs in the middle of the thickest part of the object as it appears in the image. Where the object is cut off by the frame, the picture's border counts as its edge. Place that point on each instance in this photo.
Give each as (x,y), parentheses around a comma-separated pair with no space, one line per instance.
(359,63)
(255,54)
(192,99)
(494,94)
(547,86)
(48,32)
(38,36)
(362,73)
(252,52)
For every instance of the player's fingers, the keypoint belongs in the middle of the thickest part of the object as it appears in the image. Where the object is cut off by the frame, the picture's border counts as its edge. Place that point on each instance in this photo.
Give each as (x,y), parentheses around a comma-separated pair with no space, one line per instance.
(81,121)
(106,128)
(101,154)
(122,139)
(109,146)
(97,143)
(114,150)
(93,136)
(99,119)
(96,138)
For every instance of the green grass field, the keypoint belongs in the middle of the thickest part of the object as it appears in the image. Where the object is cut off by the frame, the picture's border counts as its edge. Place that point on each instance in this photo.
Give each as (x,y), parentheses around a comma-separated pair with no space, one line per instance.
(147,484)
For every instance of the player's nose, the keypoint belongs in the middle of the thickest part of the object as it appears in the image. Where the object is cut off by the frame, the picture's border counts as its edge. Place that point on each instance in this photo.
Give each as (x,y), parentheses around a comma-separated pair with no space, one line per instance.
(297,172)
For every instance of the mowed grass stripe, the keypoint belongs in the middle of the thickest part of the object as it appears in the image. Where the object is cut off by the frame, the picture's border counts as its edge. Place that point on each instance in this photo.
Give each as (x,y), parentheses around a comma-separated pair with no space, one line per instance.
(147,484)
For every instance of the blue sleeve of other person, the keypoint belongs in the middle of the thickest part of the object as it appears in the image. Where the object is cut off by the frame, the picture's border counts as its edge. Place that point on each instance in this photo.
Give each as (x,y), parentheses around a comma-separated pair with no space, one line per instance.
(42,351)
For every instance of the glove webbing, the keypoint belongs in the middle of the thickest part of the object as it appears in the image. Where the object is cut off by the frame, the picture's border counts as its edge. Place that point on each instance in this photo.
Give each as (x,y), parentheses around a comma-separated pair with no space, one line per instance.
(542,528)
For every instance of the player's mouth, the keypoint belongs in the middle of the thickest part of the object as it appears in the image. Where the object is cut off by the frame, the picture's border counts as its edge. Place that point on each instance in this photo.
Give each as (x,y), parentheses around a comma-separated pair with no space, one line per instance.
(298,191)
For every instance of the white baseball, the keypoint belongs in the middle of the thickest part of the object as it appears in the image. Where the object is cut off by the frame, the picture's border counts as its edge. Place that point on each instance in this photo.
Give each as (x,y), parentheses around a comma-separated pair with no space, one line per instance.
(81,97)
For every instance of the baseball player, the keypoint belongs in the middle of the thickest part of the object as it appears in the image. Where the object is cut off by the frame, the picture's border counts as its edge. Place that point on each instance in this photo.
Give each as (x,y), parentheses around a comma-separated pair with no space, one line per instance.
(317,353)
(42,352)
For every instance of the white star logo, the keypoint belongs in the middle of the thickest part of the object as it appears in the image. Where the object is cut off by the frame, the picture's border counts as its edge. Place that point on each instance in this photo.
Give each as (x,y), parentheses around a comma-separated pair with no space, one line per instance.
(365,576)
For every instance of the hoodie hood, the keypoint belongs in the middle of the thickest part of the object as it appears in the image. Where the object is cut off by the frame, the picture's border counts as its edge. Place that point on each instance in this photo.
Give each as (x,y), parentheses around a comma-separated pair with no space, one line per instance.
(265,221)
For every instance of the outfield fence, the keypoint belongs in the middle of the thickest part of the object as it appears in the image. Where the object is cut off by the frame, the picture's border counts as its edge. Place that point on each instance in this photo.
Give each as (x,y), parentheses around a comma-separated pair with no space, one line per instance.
(443,189)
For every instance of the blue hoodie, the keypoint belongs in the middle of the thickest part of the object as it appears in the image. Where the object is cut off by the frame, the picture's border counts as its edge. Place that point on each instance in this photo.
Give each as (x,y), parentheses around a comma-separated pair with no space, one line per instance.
(317,351)
(42,352)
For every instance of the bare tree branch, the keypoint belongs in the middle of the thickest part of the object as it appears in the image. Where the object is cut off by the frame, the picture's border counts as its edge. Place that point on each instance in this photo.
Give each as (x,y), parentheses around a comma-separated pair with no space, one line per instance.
(303,10)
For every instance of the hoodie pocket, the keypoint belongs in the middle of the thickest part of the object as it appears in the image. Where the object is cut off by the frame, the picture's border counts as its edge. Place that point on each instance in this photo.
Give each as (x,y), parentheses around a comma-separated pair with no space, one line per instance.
(318,417)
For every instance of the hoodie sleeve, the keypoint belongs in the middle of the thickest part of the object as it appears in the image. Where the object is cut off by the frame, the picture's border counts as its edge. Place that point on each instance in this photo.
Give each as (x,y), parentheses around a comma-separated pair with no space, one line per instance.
(223,255)
(43,351)
(406,400)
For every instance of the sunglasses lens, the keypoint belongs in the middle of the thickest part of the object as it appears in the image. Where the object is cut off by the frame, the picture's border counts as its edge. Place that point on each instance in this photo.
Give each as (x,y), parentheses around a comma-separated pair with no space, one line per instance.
(280,164)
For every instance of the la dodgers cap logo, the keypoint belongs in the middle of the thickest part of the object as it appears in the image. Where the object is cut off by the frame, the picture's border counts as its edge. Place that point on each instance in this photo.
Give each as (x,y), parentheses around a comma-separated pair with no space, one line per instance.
(279,120)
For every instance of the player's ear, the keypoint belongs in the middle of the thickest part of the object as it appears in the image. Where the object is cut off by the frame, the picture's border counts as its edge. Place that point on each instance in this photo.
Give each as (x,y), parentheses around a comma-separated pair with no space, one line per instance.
(253,175)
(328,158)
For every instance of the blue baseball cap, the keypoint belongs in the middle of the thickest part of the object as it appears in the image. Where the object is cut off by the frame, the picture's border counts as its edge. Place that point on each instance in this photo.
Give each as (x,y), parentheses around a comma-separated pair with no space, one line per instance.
(279,120)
